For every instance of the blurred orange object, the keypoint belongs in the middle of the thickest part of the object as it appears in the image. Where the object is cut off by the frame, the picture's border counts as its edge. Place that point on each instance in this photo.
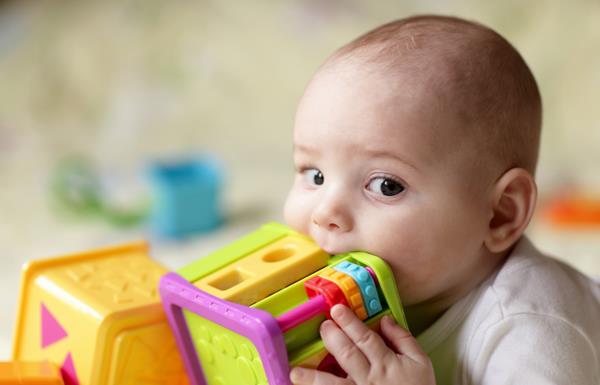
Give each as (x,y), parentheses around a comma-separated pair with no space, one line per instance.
(29,373)
(575,210)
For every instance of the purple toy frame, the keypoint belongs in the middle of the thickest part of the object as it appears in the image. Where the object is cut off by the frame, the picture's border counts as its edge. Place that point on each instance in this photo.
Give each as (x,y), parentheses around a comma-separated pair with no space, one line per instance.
(258,326)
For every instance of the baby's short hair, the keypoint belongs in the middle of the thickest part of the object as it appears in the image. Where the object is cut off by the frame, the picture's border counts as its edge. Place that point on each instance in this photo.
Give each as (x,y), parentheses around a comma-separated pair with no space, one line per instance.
(493,92)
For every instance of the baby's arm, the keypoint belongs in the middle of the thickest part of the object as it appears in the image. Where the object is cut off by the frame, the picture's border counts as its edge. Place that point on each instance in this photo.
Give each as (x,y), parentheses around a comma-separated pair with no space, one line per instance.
(536,349)
(363,354)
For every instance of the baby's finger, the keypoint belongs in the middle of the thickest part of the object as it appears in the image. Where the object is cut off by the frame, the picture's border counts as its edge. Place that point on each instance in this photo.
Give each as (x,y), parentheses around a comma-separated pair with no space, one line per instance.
(304,376)
(368,341)
(402,341)
(347,354)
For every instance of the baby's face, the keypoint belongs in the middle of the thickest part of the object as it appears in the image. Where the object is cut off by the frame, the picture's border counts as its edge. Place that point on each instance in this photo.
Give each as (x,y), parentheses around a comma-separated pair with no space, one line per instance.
(378,170)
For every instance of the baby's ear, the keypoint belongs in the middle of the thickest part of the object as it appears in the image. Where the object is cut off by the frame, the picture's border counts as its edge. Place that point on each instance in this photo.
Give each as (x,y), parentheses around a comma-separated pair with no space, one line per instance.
(514,197)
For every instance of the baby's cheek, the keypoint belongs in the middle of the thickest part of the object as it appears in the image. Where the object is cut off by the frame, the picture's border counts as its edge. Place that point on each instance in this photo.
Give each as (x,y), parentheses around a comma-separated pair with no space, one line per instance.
(293,213)
(414,274)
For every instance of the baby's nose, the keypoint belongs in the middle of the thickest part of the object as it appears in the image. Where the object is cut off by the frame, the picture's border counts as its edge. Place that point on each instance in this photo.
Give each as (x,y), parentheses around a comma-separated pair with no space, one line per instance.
(332,216)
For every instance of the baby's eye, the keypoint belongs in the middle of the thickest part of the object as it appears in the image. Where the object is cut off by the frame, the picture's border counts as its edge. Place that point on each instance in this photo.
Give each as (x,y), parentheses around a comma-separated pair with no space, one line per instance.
(385,186)
(313,176)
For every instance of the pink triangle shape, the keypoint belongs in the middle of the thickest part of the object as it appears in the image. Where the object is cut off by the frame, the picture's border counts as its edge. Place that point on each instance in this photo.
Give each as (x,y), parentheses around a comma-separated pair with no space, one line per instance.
(51,329)
(68,371)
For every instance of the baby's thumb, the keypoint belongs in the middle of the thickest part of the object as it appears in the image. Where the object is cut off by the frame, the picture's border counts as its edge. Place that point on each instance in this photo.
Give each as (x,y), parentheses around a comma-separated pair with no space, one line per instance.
(402,341)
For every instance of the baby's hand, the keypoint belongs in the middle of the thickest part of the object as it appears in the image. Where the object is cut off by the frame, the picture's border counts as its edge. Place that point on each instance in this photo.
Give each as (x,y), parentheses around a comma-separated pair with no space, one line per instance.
(363,354)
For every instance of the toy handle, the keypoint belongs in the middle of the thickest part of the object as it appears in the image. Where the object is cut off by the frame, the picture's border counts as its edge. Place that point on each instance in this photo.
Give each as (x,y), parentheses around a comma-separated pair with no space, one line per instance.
(309,309)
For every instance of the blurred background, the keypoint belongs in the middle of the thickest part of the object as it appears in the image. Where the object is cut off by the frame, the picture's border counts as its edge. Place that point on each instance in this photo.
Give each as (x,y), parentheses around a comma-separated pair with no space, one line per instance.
(122,84)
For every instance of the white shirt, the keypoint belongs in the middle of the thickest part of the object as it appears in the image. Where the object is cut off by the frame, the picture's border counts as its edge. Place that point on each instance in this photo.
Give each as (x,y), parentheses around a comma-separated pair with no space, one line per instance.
(535,321)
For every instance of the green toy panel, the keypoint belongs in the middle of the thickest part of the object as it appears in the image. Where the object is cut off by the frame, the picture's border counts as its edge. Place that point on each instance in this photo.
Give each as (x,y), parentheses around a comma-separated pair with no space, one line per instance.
(225,356)
(285,300)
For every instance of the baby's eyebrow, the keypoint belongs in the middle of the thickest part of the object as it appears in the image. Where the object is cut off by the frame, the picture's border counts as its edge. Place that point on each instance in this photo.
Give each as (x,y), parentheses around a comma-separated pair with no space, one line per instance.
(304,148)
(377,153)
(373,152)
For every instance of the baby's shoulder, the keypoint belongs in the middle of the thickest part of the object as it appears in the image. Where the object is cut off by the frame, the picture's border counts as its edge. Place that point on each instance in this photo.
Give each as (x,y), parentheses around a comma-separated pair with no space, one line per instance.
(535,312)
(532,283)
(536,317)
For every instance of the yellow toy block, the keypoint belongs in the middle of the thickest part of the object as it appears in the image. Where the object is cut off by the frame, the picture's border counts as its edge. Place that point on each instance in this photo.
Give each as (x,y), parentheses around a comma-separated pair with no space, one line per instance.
(265,271)
(98,316)
(29,373)
(350,289)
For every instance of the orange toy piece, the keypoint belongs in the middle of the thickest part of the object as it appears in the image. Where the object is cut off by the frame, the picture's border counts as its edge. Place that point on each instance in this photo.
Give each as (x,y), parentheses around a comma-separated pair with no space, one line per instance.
(29,373)
(350,289)
(577,210)
(98,316)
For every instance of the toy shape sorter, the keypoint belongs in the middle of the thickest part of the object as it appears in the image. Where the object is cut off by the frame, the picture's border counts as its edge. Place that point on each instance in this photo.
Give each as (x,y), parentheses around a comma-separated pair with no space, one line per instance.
(98,316)
(29,373)
(248,312)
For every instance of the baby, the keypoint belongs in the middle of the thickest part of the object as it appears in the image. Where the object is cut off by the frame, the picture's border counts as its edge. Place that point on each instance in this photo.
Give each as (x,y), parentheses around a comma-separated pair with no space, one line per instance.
(418,142)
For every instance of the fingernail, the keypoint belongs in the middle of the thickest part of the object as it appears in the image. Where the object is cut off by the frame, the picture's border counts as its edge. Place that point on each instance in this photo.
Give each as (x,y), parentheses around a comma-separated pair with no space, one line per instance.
(296,374)
(337,311)
(325,325)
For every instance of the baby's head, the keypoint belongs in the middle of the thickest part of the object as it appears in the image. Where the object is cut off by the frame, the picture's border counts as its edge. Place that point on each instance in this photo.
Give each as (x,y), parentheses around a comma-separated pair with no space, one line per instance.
(417,142)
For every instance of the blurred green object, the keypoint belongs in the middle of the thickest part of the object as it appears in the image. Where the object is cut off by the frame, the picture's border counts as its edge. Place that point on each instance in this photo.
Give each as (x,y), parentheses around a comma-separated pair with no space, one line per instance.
(76,187)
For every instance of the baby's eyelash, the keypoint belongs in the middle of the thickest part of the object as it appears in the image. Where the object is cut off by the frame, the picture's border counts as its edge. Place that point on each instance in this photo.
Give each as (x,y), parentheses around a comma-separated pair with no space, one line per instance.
(303,167)
(387,176)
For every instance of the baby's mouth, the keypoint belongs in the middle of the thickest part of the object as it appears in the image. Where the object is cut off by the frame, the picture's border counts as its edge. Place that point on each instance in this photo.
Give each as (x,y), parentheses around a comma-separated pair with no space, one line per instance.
(331,242)
(330,251)
(329,247)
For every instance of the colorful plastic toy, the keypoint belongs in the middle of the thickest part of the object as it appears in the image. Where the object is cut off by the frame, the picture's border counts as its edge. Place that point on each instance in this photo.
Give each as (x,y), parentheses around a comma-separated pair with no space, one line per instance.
(366,284)
(98,316)
(574,210)
(29,373)
(246,313)
(186,197)
(77,189)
